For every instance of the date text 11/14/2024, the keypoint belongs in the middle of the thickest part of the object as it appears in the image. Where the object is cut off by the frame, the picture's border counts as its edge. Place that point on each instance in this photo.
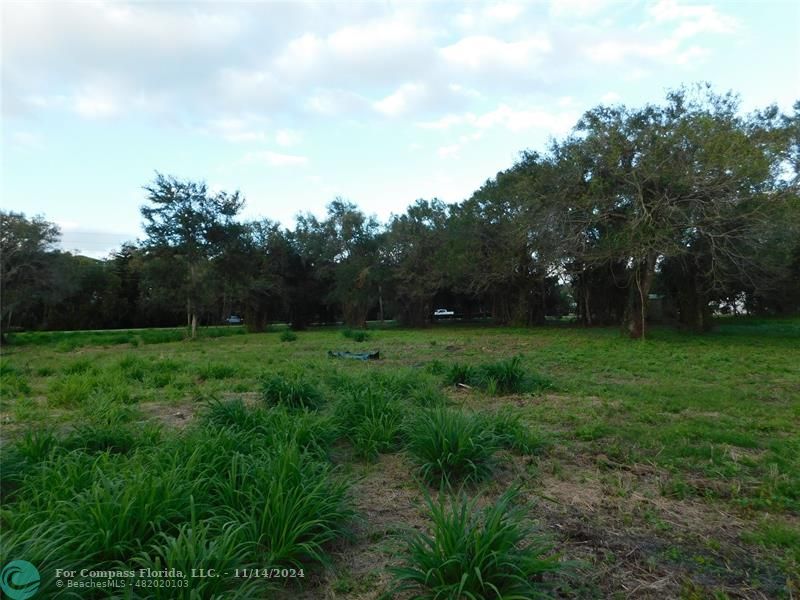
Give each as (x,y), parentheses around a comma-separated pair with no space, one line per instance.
(266,573)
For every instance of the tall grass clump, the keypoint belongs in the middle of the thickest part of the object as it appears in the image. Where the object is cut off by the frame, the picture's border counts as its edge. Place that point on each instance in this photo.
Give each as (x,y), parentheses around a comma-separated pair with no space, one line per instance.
(215,546)
(217,371)
(502,377)
(70,390)
(162,336)
(357,335)
(290,390)
(288,336)
(451,446)
(372,420)
(475,554)
(512,433)
(290,506)
(34,447)
(107,425)
(311,432)
(411,385)
(13,382)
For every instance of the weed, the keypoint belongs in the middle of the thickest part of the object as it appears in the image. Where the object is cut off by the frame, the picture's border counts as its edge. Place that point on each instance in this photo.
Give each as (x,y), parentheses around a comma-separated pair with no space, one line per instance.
(70,390)
(512,433)
(293,391)
(288,336)
(472,553)
(217,371)
(498,378)
(290,507)
(451,446)
(372,420)
(357,335)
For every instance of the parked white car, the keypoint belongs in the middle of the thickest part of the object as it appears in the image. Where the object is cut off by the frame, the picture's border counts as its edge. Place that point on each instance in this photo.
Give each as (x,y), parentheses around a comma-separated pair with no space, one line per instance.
(234,320)
(443,312)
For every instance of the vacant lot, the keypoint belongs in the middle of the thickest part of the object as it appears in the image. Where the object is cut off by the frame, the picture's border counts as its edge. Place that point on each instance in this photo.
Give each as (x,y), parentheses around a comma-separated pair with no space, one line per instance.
(663,468)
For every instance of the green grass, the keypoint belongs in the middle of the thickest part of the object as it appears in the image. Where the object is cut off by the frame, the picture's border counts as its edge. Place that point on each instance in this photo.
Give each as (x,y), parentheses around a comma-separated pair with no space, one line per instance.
(372,418)
(710,423)
(292,390)
(357,335)
(288,336)
(473,553)
(503,377)
(451,446)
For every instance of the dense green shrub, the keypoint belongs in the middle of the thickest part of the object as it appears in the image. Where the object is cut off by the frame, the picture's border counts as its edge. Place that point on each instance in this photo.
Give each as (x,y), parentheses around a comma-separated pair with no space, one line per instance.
(217,371)
(476,554)
(512,433)
(357,335)
(291,390)
(451,446)
(230,491)
(288,336)
(498,378)
(372,420)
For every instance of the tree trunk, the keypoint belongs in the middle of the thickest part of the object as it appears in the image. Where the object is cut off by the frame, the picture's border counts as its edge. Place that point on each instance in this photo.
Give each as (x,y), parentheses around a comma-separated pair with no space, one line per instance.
(380,303)
(638,297)
(587,307)
(194,325)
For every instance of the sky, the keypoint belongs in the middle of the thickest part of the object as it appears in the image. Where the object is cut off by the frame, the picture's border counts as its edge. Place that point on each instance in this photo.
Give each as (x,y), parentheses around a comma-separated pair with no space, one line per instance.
(380,103)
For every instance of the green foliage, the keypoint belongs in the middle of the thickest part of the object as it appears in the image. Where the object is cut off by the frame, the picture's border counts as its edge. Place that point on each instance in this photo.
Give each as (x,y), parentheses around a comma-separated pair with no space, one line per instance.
(502,377)
(290,507)
(288,336)
(13,383)
(107,425)
(473,553)
(357,335)
(215,545)
(451,446)
(291,390)
(79,367)
(217,371)
(162,336)
(70,390)
(372,419)
(229,492)
(512,433)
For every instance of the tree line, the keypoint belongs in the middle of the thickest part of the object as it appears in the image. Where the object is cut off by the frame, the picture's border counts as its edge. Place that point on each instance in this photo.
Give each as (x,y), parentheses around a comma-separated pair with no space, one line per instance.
(689,201)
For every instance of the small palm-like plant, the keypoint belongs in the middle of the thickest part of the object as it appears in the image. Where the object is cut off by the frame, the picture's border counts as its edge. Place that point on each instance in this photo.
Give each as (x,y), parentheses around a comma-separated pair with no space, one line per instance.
(288,336)
(292,391)
(475,554)
(451,446)
(372,420)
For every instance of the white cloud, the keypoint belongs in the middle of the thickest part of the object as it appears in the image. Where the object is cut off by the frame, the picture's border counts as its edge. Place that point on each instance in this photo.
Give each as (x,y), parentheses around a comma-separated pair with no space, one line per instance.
(275,159)
(402,100)
(333,102)
(447,121)
(287,137)
(26,139)
(512,119)
(235,129)
(449,151)
(485,52)
(610,98)
(694,19)
(504,12)
(577,8)
(96,103)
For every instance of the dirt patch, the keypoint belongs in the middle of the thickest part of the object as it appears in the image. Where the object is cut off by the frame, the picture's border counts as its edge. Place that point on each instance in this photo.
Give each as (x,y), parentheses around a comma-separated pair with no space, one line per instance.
(388,501)
(634,541)
(173,416)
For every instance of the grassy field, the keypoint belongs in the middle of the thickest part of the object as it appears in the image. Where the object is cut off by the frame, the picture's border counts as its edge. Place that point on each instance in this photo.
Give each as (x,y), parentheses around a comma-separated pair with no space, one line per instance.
(559,461)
